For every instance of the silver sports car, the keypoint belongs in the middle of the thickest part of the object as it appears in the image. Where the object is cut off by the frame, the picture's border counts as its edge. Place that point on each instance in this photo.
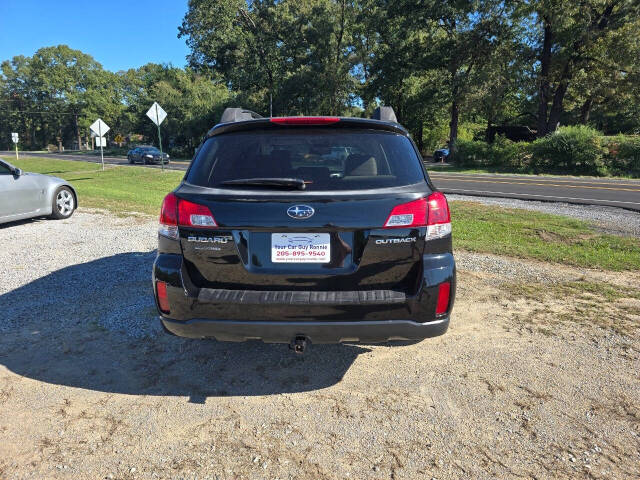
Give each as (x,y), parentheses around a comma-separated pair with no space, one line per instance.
(25,195)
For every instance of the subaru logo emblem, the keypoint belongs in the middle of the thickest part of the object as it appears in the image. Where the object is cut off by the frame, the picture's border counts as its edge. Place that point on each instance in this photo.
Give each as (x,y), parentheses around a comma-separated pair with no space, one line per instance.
(300,212)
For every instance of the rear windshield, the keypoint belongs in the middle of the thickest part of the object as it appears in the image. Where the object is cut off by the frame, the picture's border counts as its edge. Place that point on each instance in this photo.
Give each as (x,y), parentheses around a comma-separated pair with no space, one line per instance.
(326,159)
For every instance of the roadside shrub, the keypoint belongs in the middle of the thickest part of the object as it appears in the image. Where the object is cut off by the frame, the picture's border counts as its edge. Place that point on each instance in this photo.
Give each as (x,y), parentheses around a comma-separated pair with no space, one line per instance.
(470,153)
(575,149)
(510,155)
(623,155)
(501,154)
(571,150)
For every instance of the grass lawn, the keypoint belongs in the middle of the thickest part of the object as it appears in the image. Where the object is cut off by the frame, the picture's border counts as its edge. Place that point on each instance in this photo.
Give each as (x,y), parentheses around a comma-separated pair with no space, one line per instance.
(118,189)
(476,227)
(551,238)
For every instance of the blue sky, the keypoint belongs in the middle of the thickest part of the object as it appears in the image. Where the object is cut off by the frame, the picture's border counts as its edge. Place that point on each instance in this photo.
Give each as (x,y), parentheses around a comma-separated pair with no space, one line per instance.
(119,34)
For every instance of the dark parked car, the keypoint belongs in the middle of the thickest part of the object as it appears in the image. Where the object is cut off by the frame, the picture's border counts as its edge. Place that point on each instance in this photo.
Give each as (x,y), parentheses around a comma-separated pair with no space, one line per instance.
(274,235)
(147,155)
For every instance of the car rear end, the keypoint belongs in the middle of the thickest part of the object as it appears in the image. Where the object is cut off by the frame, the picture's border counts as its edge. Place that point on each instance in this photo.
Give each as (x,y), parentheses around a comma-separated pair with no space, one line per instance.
(321,229)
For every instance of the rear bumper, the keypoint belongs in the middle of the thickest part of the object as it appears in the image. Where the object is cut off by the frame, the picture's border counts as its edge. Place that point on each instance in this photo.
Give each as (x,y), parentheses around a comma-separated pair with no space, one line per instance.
(316,332)
(323,317)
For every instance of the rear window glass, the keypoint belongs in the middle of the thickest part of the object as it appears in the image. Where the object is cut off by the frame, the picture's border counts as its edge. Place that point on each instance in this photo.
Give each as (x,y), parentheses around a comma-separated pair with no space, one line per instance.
(326,159)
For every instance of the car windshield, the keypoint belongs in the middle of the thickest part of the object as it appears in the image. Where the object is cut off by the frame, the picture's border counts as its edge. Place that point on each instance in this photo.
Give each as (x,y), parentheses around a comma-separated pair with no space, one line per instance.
(150,150)
(325,159)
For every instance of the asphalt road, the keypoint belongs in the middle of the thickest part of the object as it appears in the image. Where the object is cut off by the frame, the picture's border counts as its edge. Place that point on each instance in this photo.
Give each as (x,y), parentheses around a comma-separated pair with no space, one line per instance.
(621,193)
(93,158)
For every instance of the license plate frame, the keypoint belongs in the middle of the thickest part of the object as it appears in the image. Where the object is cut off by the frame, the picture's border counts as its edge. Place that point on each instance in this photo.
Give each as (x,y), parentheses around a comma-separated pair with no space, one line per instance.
(300,248)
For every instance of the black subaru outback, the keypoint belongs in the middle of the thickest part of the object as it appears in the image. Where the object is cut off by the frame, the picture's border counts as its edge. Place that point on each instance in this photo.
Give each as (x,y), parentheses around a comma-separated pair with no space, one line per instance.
(298,229)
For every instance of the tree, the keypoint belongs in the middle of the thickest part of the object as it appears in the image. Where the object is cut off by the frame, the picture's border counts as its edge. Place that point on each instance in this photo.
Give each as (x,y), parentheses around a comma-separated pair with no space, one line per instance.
(55,92)
(446,40)
(570,35)
(288,57)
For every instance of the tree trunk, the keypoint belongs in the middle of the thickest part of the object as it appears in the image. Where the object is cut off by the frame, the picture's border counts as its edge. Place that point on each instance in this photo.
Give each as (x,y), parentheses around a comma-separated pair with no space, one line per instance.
(419,135)
(585,110)
(558,98)
(78,132)
(487,134)
(453,129)
(544,87)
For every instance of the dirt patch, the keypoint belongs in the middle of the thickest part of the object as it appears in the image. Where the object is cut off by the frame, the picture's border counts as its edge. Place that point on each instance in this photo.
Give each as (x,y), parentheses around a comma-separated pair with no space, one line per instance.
(493,397)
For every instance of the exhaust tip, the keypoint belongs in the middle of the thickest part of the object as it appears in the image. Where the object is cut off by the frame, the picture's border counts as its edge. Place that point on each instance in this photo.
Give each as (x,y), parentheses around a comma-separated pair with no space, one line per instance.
(299,344)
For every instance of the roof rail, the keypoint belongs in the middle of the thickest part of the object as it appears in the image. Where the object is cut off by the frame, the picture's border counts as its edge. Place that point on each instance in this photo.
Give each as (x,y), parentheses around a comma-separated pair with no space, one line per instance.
(237,115)
(385,113)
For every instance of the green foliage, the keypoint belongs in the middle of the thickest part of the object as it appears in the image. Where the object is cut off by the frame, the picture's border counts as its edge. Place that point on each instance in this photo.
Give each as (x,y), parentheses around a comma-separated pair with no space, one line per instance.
(435,137)
(469,130)
(59,85)
(501,154)
(447,68)
(570,149)
(550,238)
(297,52)
(623,155)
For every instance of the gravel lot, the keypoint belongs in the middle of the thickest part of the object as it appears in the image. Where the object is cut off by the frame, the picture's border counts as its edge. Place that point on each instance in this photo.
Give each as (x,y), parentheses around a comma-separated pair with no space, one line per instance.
(518,388)
(609,219)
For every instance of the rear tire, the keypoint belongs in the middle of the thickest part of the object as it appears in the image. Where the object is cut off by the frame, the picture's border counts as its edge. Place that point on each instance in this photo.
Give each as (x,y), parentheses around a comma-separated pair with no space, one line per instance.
(64,203)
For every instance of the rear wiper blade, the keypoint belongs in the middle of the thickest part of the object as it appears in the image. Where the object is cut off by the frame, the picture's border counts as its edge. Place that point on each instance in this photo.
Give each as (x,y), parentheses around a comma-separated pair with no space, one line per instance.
(268,182)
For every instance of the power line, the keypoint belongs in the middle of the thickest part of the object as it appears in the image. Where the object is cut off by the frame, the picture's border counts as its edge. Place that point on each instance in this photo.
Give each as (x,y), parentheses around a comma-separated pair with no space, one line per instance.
(42,112)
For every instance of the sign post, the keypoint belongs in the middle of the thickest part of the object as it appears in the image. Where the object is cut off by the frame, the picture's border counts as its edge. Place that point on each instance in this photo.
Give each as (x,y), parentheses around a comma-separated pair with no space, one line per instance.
(100,128)
(14,139)
(157,116)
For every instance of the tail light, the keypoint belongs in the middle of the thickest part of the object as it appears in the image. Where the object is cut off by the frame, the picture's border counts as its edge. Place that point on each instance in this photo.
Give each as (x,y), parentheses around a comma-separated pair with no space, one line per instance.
(444,290)
(178,212)
(194,215)
(412,214)
(169,217)
(431,212)
(305,120)
(163,299)
(439,218)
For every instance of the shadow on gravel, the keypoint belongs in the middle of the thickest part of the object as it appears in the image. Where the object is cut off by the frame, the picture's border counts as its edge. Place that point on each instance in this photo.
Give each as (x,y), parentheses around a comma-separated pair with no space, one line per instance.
(74,327)
(15,223)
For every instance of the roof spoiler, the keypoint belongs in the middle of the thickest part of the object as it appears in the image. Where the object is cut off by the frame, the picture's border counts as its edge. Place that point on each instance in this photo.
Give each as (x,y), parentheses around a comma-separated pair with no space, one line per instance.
(237,115)
(385,114)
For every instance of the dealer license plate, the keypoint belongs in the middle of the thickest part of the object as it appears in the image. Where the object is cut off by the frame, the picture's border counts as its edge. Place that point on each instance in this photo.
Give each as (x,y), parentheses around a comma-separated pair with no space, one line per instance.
(300,248)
